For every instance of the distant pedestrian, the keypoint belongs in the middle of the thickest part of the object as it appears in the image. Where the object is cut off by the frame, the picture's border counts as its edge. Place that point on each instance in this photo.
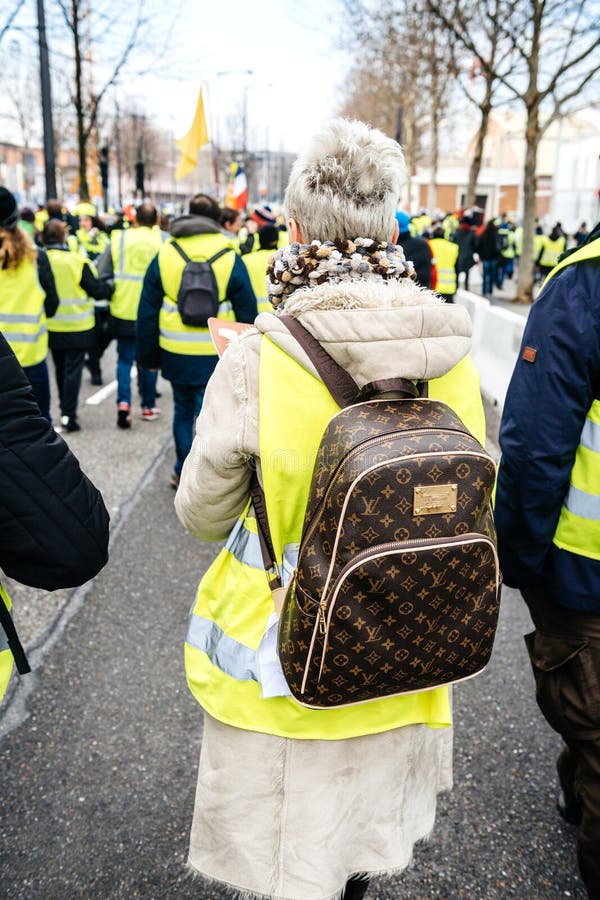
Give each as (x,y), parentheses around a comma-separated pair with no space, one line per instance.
(548,520)
(416,249)
(28,299)
(53,522)
(581,235)
(466,239)
(294,802)
(123,265)
(489,252)
(551,248)
(71,329)
(445,258)
(185,354)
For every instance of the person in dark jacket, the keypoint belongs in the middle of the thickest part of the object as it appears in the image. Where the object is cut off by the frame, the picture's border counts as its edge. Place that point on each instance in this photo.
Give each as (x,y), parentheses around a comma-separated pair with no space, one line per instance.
(488,250)
(185,355)
(466,239)
(548,519)
(26,301)
(416,249)
(71,329)
(54,526)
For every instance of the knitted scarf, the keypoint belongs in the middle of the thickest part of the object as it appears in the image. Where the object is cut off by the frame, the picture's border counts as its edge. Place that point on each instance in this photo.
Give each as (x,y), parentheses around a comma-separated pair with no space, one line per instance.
(308,265)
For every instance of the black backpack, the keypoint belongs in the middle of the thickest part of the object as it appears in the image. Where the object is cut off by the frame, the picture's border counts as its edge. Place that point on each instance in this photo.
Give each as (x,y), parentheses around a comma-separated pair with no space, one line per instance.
(198,295)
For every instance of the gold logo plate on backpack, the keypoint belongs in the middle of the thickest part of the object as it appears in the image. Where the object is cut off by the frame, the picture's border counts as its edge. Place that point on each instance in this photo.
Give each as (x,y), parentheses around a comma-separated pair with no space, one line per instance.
(434,498)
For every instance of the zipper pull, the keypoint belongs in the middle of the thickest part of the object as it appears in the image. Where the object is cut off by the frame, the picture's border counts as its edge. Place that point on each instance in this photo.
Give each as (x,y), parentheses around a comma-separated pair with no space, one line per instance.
(322,622)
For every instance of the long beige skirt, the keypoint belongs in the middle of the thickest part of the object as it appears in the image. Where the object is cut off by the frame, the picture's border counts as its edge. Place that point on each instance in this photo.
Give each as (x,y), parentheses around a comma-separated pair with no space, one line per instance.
(293,820)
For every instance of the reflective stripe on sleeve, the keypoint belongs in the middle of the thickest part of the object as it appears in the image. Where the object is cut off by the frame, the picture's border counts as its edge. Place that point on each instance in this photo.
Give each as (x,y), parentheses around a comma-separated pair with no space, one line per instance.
(224,652)
(590,436)
(24,337)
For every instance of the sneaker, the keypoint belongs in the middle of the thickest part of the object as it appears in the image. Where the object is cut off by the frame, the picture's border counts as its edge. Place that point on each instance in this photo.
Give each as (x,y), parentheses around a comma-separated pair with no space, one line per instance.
(96,380)
(123,415)
(70,423)
(149,413)
(174,480)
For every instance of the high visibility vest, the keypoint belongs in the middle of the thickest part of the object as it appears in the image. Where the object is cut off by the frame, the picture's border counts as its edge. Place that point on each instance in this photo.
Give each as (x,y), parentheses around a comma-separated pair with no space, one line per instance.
(578,528)
(75,311)
(174,336)
(22,315)
(132,252)
(538,241)
(446,254)
(256,263)
(93,245)
(552,250)
(518,239)
(233,602)
(509,250)
(6,657)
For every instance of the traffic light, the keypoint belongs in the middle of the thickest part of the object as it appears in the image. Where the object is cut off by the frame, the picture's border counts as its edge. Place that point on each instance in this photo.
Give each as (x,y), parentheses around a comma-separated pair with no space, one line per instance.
(104,169)
(139,177)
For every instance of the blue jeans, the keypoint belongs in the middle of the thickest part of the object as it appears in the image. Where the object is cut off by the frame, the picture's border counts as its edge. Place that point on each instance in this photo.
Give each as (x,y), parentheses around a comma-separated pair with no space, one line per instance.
(147,380)
(187,401)
(40,382)
(489,276)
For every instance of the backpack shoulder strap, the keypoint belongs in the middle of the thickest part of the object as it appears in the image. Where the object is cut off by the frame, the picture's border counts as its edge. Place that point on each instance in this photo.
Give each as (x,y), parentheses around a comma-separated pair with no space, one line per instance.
(338,382)
(181,251)
(219,254)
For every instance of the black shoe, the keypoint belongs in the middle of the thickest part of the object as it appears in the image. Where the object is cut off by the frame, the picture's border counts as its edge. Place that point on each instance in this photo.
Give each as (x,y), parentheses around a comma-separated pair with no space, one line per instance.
(70,424)
(96,379)
(571,813)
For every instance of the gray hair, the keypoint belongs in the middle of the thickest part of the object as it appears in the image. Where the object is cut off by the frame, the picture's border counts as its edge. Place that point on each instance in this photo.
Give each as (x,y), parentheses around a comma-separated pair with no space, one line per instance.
(346,183)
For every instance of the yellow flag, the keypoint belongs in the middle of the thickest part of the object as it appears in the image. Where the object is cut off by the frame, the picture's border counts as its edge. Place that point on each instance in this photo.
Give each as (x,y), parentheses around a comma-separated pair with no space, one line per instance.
(189,145)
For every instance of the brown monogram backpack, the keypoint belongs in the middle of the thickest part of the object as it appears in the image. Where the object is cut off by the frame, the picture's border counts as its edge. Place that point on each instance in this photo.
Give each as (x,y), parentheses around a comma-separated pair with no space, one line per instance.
(397,585)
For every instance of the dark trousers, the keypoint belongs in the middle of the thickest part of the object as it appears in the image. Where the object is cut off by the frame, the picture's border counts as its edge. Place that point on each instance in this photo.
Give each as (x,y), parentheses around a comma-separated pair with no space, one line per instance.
(101,339)
(68,365)
(40,382)
(187,403)
(565,654)
(489,276)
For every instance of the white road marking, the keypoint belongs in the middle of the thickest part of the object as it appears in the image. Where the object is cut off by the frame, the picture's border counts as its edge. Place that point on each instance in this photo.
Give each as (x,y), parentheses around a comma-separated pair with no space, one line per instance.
(102,394)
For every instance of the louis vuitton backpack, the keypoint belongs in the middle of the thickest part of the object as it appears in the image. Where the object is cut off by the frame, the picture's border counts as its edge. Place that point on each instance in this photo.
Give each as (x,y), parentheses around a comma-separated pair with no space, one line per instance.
(397,584)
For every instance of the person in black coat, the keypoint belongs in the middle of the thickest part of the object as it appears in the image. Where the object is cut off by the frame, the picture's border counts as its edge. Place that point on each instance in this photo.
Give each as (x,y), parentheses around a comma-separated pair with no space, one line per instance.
(54,526)
(416,249)
(466,239)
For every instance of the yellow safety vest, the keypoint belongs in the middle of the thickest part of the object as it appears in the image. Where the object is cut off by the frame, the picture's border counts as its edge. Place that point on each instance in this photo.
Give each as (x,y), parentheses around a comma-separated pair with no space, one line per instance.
(233,602)
(446,254)
(93,245)
(538,241)
(132,252)
(578,528)
(552,250)
(6,657)
(22,315)
(256,263)
(75,311)
(174,336)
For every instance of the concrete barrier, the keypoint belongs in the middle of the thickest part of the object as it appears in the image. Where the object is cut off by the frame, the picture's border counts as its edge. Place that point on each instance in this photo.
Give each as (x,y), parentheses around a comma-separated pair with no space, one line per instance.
(497,335)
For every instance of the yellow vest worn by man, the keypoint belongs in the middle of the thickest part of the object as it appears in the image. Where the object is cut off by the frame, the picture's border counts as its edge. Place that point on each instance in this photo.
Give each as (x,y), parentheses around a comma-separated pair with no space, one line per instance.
(256,263)
(174,336)
(75,311)
(234,603)
(22,315)
(446,254)
(132,252)
(551,251)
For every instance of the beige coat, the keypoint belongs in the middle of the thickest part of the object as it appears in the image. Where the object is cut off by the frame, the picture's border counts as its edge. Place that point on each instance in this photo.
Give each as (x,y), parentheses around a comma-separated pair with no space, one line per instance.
(291,819)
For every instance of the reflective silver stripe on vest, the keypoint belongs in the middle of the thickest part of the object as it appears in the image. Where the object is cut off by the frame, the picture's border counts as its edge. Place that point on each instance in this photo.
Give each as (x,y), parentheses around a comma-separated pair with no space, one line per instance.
(73,317)
(195,337)
(590,436)
(24,337)
(586,506)
(72,301)
(244,545)
(227,654)
(169,307)
(20,317)
(129,278)
(451,272)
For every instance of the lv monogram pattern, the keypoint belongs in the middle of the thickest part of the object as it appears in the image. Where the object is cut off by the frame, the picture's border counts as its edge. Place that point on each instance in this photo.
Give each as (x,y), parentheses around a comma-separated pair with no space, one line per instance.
(386,600)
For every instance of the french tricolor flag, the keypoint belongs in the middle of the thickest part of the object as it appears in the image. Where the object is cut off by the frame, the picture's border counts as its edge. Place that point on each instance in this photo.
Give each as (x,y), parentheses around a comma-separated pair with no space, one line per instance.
(237,192)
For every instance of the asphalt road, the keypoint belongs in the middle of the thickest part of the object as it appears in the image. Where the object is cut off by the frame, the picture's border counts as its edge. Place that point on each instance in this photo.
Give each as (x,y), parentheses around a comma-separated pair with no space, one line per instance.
(99,748)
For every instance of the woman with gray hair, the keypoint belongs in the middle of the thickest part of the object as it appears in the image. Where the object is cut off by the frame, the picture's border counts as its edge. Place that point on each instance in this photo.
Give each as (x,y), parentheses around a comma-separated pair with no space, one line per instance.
(295,803)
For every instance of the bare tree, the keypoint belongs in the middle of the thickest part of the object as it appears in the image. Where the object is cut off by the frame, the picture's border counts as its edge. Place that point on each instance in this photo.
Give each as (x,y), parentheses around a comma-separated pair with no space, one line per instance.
(9,21)
(545,60)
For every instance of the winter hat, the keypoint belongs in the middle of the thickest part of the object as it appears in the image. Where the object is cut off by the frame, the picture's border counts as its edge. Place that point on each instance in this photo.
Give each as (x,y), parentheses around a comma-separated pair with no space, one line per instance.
(268,236)
(403,220)
(85,209)
(263,215)
(9,214)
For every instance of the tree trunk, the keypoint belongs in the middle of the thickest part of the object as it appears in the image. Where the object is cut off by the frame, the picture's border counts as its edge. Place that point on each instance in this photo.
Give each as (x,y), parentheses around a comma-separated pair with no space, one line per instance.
(525,274)
(435,135)
(475,168)
(79,105)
